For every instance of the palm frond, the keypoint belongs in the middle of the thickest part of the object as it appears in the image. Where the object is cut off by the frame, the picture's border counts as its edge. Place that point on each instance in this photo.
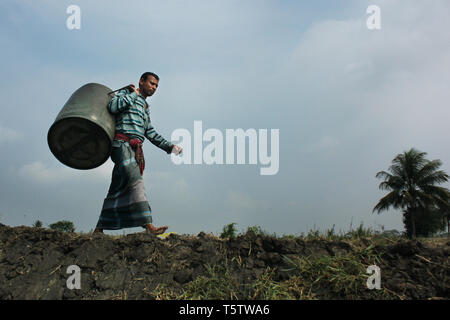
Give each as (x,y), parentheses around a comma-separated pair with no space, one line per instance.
(438,192)
(391,199)
(424,200)
(383,174)
(399,171)
(409,163)
(432,178)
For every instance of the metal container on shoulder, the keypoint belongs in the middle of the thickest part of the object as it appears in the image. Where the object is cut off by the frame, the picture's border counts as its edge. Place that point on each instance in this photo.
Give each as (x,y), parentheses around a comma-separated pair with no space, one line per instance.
(82,134)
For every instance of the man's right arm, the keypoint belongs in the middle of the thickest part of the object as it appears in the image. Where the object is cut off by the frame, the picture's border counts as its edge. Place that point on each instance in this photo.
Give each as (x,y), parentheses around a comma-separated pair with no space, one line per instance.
(122,101)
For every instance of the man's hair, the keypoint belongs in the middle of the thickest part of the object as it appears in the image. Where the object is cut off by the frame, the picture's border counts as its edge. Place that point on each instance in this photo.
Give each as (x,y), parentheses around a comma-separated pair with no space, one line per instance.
(146,74)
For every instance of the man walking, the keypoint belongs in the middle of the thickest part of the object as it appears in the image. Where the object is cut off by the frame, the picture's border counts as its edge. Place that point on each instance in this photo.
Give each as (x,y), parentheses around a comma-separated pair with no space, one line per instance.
(126,205)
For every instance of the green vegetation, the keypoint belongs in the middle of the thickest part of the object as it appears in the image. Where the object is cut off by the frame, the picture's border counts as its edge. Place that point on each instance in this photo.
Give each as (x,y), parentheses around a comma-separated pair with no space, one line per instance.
(427,222)
(314,234)
(412,185)
(64,225)
(220,284)
(229,231)
(342,276)
(37,224)
(256,230)
(267,288)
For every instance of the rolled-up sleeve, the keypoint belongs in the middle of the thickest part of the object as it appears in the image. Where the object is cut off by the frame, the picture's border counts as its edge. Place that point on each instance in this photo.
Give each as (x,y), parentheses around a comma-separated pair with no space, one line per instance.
(122,101)
(157,139)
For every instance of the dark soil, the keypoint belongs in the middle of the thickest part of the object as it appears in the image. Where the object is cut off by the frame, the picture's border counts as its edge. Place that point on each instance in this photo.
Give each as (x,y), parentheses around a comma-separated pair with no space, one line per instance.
(34,262)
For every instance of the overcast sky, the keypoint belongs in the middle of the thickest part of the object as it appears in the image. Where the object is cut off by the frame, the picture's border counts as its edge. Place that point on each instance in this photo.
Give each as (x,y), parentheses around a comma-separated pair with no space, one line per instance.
(346,101)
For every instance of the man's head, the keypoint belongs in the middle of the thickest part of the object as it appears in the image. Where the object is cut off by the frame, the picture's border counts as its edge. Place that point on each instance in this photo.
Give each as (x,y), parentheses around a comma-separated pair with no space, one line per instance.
(148,83)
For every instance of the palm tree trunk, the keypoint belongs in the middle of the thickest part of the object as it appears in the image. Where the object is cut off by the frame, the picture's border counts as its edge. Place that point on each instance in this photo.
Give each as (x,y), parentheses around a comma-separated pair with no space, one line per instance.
(413,223)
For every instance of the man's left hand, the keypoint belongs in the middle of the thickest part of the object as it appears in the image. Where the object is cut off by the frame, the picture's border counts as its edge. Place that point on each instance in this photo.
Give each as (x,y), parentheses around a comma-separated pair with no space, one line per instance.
(177,150)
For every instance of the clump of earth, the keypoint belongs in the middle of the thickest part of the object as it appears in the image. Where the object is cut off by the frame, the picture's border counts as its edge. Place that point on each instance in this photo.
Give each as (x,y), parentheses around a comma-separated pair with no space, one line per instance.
(34,264)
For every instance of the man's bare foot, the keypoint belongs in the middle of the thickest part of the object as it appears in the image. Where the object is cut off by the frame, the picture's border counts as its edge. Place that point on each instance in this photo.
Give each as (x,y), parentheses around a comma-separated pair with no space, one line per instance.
(155,230)
(98,230)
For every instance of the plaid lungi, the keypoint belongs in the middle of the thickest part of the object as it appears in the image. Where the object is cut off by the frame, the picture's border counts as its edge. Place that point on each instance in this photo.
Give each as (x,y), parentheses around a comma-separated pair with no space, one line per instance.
(126,204)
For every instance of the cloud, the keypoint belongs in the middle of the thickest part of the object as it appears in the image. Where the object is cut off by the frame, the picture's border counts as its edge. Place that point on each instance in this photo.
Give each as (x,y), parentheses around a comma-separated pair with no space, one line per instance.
(9,135)
(40,173)
(240,200)
(336,55)
(325,143)
(179,187)
(372,86)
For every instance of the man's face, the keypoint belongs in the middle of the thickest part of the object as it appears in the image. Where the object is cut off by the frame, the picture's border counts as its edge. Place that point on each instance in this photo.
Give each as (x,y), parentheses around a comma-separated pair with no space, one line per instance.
(148,86)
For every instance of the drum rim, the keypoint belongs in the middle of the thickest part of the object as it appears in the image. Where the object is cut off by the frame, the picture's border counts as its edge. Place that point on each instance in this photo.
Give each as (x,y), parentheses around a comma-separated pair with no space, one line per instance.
(53,149)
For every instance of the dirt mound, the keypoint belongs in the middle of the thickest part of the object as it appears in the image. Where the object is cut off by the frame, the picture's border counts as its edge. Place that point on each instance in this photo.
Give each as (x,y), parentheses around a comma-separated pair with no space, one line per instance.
(34,263)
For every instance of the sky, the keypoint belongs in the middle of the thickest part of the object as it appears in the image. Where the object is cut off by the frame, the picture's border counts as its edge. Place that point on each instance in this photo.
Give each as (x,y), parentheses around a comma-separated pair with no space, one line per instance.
(345,99)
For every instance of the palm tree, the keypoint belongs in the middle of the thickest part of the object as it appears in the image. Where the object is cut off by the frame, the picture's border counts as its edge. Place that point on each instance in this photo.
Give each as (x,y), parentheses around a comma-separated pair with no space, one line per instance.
(446,218)
(412,185)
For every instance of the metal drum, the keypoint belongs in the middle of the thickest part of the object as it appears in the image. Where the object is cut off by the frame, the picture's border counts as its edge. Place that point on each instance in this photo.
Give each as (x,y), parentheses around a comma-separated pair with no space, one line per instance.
(82,134)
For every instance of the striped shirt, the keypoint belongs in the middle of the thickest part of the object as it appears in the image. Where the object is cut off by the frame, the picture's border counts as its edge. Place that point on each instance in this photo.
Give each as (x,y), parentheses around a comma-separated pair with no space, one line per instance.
(133,118)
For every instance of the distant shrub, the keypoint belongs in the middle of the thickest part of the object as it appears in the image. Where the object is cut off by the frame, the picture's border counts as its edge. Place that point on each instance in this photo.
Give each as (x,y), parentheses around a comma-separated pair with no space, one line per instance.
(313,235)
(37,224)
(229,231)
(64,225)
(257,230)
